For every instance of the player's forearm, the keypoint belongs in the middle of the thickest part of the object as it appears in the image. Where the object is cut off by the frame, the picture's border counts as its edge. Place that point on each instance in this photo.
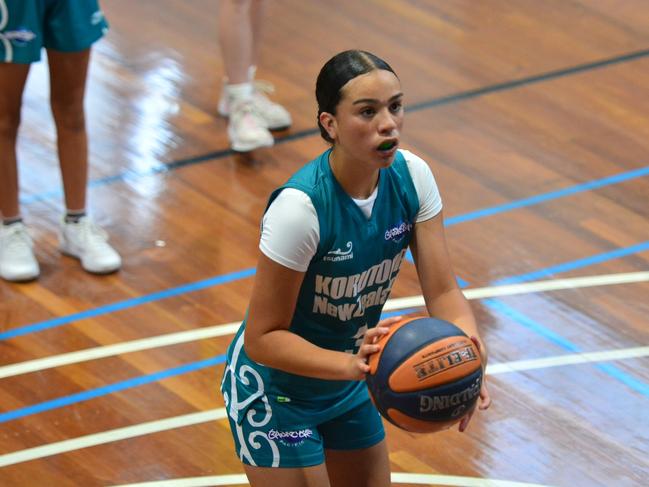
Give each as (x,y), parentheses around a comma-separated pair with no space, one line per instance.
(452,306)
(286,351)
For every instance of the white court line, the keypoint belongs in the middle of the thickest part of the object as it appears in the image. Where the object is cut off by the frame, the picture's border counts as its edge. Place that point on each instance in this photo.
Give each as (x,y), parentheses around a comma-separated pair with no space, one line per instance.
(529,287)
(230,328)
(577,358)
(214,414)
(400,478)
(110,436)
(118,349)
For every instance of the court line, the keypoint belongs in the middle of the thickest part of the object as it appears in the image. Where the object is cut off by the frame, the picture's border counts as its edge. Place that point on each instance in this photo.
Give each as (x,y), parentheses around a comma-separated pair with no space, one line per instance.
(397,305)
(111,436)
(395,477)
(193,366)
(86,395)
(118,349)
(541,198)
(576,264)
(572,359)
(529,287)
(564,343)
(444,100)
(215,414)
(529,80)
(225,278)
(128,303)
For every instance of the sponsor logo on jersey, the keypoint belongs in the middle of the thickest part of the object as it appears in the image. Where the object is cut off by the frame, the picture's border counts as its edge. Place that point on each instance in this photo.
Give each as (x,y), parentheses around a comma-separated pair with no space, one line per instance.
(339,255)
(398,231)
(290,438)
(360,291)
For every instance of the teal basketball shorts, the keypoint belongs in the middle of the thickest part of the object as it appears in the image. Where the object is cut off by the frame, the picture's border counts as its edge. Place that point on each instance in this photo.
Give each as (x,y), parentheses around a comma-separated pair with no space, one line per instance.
(26,26)
(268,433)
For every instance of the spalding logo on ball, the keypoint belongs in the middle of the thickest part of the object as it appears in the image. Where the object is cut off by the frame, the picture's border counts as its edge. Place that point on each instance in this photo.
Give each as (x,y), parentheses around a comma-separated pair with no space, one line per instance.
(426,376)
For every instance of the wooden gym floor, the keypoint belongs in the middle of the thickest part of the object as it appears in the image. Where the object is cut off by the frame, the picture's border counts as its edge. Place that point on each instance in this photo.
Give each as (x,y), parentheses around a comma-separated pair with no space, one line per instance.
(534,118)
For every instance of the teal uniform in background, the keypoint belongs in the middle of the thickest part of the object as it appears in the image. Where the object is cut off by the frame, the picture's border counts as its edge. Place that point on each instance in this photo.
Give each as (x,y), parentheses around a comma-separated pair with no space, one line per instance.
(282,419)
(26,26)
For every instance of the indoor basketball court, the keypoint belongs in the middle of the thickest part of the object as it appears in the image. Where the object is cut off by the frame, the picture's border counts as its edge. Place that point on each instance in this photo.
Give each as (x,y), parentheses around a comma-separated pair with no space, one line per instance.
(534,119)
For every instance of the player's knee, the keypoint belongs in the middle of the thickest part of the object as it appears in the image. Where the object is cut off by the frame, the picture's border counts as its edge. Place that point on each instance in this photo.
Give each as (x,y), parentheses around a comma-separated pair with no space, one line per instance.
(69,116)
(9,123)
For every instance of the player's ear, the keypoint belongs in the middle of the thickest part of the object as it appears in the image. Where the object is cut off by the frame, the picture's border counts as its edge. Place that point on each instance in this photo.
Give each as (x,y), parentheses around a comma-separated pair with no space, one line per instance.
(328,121)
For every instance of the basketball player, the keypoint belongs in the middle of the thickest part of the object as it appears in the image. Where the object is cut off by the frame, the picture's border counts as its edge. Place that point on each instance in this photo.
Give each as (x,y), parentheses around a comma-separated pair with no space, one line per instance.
(333,240)
(66,29)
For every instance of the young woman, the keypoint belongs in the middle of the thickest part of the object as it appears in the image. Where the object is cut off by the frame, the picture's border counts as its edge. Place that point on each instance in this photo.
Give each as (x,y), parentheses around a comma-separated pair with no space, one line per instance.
(333,240)
(67,30)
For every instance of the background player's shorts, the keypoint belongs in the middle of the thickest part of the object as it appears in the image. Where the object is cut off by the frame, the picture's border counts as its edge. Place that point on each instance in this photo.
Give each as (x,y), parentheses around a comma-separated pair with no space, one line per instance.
(63,25)
(265,436)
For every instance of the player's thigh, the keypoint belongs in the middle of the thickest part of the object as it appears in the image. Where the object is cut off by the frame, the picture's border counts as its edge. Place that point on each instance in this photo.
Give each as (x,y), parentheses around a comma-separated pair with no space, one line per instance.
(315,476)
(369,467)
(355,451)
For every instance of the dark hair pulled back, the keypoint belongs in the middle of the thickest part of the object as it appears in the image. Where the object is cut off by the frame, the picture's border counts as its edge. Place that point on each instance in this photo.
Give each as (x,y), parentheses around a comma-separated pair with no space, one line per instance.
(336,73)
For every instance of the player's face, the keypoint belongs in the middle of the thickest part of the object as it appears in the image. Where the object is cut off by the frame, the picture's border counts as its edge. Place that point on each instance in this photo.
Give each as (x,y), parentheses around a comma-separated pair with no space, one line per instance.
(369,118)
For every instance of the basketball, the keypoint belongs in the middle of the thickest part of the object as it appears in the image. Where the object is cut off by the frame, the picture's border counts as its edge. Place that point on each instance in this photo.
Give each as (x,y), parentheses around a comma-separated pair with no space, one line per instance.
(426,376)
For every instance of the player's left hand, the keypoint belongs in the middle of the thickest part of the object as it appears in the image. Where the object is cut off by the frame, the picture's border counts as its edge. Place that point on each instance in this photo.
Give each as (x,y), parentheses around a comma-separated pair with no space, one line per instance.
(485,400)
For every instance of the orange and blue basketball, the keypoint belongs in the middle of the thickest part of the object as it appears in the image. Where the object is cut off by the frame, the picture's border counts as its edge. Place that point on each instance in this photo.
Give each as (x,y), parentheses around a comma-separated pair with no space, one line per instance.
(427,375)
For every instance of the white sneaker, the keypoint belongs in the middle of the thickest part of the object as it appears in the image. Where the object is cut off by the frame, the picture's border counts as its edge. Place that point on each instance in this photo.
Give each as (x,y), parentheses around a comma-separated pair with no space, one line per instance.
(17,261)
(273,114)
(88,243)
(246,129)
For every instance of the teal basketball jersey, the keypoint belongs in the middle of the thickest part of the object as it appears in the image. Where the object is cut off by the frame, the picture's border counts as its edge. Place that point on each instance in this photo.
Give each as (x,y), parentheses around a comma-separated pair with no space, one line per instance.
(344,289)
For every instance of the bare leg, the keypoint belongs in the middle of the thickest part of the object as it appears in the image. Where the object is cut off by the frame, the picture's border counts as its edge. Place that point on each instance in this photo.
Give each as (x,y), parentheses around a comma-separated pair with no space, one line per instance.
(369,467)
(68,71)
(287,477)
(12,84)
(257,14)
(236,39)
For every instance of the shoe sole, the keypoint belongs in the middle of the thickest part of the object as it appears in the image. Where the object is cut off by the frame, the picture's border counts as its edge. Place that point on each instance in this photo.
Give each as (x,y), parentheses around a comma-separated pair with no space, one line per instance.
(272,129)
(238,146)
(21,278)
(243,148)
(98,271)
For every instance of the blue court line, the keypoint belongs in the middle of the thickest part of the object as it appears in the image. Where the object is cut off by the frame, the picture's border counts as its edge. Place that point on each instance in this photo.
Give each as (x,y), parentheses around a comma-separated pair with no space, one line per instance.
(542,198)
(444,100)
(128,303)
(554,337)
(576,264)
(564,343)
(492,303)
(130,383)
(109,389)
(596,184)
(248,272)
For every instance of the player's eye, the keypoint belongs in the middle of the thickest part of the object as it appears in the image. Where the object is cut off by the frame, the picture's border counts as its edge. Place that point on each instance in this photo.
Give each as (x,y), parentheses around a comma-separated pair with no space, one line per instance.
(396,106)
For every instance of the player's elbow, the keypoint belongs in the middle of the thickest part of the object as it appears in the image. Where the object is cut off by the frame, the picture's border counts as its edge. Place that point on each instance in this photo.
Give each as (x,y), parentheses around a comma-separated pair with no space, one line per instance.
(254,347)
